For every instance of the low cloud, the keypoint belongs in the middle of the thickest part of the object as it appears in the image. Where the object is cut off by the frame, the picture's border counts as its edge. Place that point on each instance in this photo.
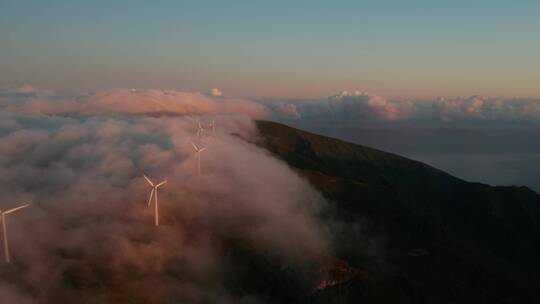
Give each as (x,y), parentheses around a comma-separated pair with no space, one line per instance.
(89,233)
(346,106)
(127,102)
(359,106)
(350,106)
(78,160)
(487,108)
(287,111)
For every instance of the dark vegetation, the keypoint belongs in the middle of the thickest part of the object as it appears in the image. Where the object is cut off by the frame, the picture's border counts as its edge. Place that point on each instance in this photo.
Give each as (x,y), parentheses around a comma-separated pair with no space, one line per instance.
(409,233)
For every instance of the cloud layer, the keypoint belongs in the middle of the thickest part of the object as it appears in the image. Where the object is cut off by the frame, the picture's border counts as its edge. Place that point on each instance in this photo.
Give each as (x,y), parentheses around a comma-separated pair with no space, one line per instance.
(368,107)
(79,159)
(89,233)
(28,100)
(355,106)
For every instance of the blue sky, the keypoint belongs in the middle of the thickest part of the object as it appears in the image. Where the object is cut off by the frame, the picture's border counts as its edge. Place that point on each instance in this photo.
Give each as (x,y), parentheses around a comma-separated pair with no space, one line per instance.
(275,48)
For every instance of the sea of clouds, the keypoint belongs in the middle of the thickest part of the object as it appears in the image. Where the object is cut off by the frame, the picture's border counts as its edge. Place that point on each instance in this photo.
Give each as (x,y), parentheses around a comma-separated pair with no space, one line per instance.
(79,160)
(358,106)
(365,106)
(89,236)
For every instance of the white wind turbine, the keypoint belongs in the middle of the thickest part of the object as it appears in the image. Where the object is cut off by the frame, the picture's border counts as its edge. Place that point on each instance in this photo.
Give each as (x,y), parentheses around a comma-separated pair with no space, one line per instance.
(4,228)
(198,157)
(200,129)
(154,194)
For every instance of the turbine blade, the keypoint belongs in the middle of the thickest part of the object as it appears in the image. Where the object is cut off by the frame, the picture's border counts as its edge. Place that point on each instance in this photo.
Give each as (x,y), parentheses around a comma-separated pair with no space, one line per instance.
(148,180)
(162,183)
(195,147)
(202,149)
(15,209)
(151,195)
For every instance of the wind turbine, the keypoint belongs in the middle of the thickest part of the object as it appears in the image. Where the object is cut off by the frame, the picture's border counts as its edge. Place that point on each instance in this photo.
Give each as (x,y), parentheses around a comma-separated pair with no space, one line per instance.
(200,129)
(212,126)
(4,229)
(154,194)
(198,157)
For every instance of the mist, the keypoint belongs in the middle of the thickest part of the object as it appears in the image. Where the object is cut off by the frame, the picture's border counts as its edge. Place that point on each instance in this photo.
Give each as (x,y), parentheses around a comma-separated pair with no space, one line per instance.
(90,236)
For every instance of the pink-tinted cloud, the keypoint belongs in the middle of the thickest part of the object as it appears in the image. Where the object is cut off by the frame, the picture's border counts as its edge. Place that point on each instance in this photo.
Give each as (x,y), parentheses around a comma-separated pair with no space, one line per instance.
(363,106)
(343,106)
(90,234)
(215,92)
(130,102)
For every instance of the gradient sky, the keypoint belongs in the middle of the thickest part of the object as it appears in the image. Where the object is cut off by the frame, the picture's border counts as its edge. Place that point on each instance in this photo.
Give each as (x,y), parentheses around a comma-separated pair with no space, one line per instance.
(275,48)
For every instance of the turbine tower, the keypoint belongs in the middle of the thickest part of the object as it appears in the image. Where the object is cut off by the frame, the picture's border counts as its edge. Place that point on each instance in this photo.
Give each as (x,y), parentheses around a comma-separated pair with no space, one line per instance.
(212,126)
(4,228)
(198,157)
(200,129)
(154,194)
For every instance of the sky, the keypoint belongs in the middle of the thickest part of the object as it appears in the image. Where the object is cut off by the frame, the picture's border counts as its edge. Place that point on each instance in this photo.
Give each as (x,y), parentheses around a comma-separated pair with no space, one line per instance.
(293,49)
(291,61)
(84,86)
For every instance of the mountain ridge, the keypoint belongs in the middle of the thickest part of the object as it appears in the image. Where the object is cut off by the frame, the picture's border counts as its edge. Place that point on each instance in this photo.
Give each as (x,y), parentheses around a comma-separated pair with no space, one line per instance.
(441,231)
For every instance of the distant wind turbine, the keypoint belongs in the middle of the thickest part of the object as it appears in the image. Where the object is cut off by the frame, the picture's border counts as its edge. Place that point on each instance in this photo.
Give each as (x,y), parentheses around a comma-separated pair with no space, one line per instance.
(212,126)
(4,228)
(198,157)
(200,129)
(154,194)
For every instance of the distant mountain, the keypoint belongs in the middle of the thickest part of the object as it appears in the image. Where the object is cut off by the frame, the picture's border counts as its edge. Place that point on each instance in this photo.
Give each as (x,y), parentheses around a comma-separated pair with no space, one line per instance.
(405,232)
